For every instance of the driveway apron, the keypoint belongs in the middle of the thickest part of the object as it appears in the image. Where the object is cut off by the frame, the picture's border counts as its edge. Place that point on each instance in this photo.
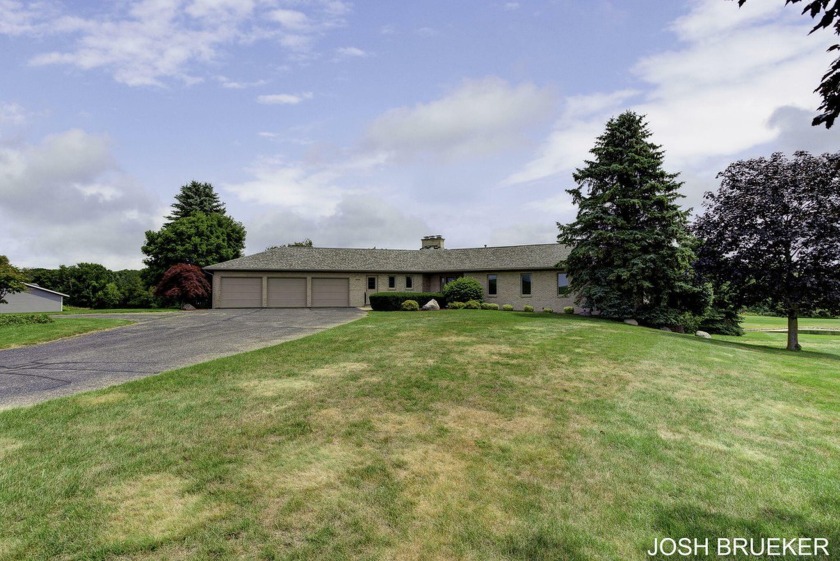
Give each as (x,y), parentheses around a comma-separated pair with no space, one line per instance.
(155,343)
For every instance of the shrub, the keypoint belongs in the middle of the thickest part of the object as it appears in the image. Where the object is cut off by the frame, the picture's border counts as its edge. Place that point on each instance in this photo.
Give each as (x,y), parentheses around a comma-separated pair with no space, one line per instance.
(548,311)
(487,306)
(463,289)
(410,306)
(185,284)
(528,308)
(569,310)
(25,319)
(392,301)
(472,305)
(456,306)
(507,308)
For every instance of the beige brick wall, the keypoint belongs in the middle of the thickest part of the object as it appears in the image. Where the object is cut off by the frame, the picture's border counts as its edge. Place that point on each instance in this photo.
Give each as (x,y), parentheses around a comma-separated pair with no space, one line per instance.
(508,285)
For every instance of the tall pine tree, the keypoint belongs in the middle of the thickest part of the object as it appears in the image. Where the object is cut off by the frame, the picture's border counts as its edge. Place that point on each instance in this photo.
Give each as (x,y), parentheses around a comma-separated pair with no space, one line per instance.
(196,197)
(632,252)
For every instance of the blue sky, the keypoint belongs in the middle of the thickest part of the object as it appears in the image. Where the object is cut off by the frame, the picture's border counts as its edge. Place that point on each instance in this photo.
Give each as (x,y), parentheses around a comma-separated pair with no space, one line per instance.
(371,124)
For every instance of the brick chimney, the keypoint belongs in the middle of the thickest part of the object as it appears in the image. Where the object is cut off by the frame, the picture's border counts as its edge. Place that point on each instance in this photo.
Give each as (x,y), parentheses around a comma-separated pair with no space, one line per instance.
(432,242)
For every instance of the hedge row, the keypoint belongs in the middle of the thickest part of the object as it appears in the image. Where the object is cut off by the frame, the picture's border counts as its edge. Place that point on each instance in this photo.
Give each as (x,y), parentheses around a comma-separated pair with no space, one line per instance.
(27,319)
(392,301)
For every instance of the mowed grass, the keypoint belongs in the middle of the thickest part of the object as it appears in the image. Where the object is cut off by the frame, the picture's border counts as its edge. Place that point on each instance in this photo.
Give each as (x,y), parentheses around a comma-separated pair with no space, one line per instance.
(20,335)
(423,436)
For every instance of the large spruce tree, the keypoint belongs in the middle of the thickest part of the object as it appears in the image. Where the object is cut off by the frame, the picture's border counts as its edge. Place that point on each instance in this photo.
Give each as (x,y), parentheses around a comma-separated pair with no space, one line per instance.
(196,197)
(632,251)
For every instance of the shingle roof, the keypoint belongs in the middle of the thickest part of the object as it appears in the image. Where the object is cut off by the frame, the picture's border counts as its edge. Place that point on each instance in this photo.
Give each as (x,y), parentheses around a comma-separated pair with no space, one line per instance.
(510,258)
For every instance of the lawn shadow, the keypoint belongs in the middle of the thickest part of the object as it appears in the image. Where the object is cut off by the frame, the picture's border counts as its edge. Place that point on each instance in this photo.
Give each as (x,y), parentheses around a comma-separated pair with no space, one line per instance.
(778,351)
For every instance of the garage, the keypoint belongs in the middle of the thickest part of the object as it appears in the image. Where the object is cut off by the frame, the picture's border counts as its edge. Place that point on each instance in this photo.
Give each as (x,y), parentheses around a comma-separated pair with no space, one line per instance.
(330,293)
(287,292)
(241,292)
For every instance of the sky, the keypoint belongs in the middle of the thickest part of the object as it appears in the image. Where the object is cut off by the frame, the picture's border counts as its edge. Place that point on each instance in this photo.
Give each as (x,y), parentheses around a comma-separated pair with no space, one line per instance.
(372,124)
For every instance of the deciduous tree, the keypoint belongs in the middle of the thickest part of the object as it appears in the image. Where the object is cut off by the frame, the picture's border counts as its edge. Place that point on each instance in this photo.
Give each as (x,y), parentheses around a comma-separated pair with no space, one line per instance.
(631,251)
(199,239)
(772,232)
(11,279)
(185,284)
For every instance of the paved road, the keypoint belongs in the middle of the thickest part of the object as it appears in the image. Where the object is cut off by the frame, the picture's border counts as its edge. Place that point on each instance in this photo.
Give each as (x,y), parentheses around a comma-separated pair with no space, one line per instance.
(156,343)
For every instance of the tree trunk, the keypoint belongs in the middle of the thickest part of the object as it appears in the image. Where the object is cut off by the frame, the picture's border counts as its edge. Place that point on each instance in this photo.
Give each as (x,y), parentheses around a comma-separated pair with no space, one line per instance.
(793,332)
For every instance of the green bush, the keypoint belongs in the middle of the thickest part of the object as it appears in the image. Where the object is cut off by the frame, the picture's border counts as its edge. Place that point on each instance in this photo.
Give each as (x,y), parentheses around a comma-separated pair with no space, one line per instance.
(456,306)
(410,306)
(472,305)
(528,308)
(569,310)
(507,308)
(548,311)
(25,319)
(463,289)
(392,301)
(487,306)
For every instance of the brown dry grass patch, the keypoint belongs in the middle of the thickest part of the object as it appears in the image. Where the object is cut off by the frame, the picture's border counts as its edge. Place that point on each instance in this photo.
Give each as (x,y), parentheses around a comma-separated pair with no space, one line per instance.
(9,445)
(153,507)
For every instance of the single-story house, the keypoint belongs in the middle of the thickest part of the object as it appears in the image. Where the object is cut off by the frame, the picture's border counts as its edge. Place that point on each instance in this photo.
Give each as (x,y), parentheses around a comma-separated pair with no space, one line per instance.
(315,277)
(34,299)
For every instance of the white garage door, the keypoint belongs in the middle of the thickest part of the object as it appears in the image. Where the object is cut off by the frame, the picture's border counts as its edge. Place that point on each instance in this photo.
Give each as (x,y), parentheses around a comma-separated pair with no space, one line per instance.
(330,293)
(241,292)
(287,293)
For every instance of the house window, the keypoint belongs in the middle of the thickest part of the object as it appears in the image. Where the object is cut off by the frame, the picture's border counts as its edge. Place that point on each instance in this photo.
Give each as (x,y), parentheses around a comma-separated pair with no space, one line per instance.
(392,282)
(562,284)
(492,287)
(525,284)
(409,283)
(371,283)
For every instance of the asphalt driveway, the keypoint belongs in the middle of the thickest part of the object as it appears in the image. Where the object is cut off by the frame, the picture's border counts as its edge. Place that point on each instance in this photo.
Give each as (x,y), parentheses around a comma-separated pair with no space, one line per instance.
(156,343)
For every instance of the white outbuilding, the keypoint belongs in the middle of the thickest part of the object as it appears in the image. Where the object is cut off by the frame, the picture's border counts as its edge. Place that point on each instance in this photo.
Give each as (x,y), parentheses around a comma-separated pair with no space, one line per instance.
(34,299)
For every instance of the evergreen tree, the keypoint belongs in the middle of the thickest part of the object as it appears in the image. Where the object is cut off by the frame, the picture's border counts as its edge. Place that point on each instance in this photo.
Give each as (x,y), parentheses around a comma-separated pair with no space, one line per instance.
(632,252)
(200,239)
(196,197)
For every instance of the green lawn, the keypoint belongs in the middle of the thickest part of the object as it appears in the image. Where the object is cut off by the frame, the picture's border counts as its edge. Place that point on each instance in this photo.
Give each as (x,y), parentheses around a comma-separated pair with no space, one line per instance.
(73,310)
(435,436)
(20,335)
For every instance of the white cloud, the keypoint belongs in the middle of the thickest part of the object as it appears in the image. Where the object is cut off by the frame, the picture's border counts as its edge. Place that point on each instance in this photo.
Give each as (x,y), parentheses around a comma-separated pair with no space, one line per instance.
(151,41)
(284,99)
(234,85)
(351,52)
(353,223)
(309,190)
(712,98)
(291,19)
(65,200)
(479,117)
(11,114)
(511,6)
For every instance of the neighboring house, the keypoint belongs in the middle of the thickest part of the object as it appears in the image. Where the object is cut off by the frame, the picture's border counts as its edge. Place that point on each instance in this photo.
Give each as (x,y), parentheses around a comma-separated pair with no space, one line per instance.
(33,299)
(314,277)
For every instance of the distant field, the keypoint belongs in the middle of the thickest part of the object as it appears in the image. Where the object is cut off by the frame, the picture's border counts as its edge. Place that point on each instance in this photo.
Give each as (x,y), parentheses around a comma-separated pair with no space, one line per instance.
(21,335)
(753,322)
(454,435)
